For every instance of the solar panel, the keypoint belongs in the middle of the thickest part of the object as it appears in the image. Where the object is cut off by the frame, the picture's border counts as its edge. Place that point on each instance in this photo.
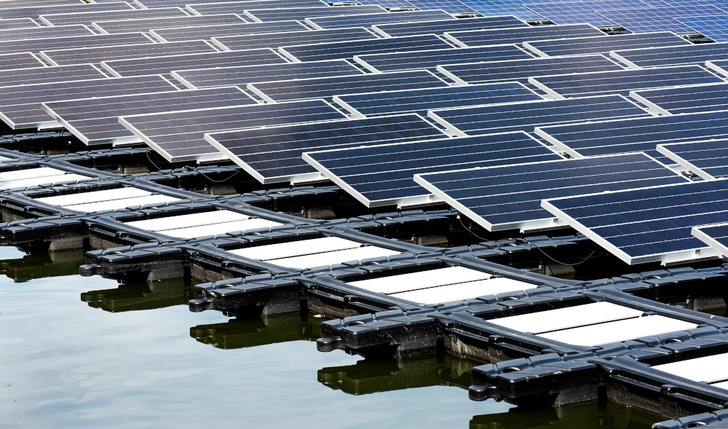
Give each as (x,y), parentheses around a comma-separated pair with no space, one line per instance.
(36,11)
(89,17)
(274,40)
(430,59)
(95,121)
(714,236)
(378,18)
(43,32)
(578,12)
(165,64)
(450,6)
(20,60)
(712,27)
(120,52)
(300,13)
(381,175)
(672,55)
(622,81)
(178,136)
(273,154)
(324,87)
(509,197)
(521,70)
(718,66)
(133,25)
(10,24)
(20,106)
(243,75)
(500,8)
(635,134)
(520,35)
(602,45)
(706,159)
(646,20)
(442,26)
(348,49)
(647,225)
(198,33)
(28,76)
(527,115)
(421,100)
(37,45)
(690,99)
(395,5)
(240,6)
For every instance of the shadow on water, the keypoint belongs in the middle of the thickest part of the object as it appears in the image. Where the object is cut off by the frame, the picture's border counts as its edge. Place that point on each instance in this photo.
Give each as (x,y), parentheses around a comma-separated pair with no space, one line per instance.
(22,267)
(258,331)
(139,296)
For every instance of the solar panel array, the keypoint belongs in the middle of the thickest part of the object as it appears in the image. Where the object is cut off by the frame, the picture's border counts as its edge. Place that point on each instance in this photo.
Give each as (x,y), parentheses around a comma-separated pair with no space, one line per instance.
(298,90)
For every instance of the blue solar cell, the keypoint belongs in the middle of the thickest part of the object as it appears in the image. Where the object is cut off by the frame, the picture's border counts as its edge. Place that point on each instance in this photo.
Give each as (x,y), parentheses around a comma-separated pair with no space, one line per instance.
(520,35)
(379,18)
(348,49)
(274,40)
(691,99)
(672,55)
(649,224)
(715,236)
(647,20)
(440,27)
(521,70)
(430,59)
(382,174)
(622,81)
(637,134)
(201,33)
(422,100)
(500,7)
(450,6)
(602,45)
(527,115)
(718,66)
(575,12)
(707,159)
(243,75)
(713,27)
(326,87)
(387,4)
(509,196)
(274,154)
(717,3)
(262,14)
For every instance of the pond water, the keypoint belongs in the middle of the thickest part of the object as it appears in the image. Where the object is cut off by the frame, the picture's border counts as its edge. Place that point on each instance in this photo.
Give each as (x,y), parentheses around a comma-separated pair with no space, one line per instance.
(88,352)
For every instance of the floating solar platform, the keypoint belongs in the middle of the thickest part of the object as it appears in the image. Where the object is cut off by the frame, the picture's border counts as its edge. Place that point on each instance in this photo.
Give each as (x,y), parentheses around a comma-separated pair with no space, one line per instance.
(691,99)
(421,100)
(275,40)
(95,121)
(509,196)
(96,55)
(165,64)
(647,225)
(29,76)
(38,176)
(376,19)
(242,75)
(672,55)
(325,87)
(55,19)
(706,159)
(134,25)
(602,45)
(178,136)
(199,33)
(430,59)
(521,70)
(273,154)
(37,45)
(443,26)
(622,81)
(520,35)
(382,174)
(648,20)
(106,200)
(21,105)
(635,134)
(301,13)
(43,32)
(712,27)
(525,116)
(35,11)
(348,49)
